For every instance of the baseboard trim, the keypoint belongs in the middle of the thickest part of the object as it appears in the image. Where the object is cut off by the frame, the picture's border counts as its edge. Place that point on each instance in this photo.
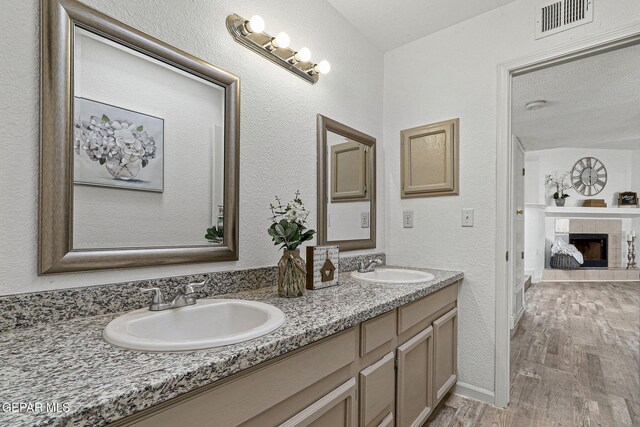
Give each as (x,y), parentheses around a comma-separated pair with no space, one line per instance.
(473,392)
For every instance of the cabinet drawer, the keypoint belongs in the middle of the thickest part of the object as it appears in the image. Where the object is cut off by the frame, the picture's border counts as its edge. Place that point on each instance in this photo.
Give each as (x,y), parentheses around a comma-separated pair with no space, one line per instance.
(377,332)
(376,391)
(412,314)
(336,409)
(257,391)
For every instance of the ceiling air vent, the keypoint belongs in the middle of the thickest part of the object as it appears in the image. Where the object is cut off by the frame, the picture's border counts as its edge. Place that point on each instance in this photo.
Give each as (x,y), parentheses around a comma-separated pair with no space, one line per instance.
(559,15)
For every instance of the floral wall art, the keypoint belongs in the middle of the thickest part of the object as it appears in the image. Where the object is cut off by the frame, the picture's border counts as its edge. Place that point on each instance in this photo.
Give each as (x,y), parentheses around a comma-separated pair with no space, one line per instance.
(116,147)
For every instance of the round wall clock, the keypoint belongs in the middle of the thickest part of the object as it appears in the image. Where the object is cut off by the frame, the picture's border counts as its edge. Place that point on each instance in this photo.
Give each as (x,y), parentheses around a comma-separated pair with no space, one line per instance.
(588,176)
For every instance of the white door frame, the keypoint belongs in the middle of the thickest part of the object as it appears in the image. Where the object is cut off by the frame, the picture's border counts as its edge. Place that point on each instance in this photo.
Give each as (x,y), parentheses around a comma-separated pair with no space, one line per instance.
(506,71)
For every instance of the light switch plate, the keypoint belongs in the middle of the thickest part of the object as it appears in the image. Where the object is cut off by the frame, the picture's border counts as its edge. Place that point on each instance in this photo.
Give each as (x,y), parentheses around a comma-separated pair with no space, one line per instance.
(364,220)
(467,217)
(407,219)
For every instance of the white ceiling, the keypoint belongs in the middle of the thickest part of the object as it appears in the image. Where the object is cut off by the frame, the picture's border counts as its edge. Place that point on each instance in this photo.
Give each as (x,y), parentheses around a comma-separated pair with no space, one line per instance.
(591,103)
(392,23)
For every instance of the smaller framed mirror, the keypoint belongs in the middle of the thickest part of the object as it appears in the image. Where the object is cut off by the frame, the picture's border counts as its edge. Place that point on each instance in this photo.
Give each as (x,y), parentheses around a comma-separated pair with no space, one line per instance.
(346,186)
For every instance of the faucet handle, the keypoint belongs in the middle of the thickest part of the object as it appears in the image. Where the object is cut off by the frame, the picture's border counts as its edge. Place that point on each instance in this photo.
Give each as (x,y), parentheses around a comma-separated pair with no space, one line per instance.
(157,296)
(191,287)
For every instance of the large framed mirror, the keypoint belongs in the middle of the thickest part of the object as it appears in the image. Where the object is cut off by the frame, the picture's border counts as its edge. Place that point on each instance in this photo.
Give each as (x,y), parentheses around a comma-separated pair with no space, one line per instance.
(346,186)
(139,148)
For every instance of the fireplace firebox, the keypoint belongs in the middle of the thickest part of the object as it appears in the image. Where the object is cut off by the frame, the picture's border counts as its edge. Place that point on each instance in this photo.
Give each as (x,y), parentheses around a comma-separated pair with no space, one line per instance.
(593,248)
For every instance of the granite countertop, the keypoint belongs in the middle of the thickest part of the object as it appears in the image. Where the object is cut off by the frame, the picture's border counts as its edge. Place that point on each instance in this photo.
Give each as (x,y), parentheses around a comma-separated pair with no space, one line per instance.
(69,364)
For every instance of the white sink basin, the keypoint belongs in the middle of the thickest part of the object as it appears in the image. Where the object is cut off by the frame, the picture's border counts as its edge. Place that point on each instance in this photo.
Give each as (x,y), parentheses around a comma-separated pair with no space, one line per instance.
(393,275)
(209,323)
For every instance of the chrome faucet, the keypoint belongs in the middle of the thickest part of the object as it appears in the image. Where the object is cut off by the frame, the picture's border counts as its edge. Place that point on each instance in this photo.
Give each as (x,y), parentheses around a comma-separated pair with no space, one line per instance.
(185,296)
(369,267)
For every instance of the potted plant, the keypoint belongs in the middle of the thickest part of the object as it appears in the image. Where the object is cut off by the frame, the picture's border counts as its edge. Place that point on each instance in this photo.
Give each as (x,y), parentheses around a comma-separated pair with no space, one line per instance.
(215,234)
(289,230)
(559,180)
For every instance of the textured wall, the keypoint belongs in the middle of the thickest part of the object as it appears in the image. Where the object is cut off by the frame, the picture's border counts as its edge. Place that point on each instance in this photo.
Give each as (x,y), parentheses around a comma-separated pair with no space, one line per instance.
(635,171)
(635,185)
(453,73)
(278,122)
(617,162)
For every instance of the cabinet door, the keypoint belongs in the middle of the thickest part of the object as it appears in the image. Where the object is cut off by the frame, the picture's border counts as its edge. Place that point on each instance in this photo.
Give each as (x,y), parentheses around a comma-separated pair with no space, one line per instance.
(414,386)
(376,391)
(336,409)
(445,343)
(349,172)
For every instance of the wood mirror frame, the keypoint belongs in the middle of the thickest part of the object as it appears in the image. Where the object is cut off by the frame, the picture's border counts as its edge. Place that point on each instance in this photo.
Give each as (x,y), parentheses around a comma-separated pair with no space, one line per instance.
(326,124)
(55,212)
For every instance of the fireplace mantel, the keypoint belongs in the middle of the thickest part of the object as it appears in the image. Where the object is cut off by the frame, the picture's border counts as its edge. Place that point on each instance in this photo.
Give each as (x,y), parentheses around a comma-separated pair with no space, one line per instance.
(582,212)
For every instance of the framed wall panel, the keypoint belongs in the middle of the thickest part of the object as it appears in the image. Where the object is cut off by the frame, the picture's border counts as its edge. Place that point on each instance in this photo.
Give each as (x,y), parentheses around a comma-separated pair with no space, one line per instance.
(429,160)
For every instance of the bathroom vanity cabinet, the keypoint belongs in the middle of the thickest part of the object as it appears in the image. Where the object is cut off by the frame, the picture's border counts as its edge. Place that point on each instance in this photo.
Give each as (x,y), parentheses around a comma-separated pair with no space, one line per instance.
(391,370)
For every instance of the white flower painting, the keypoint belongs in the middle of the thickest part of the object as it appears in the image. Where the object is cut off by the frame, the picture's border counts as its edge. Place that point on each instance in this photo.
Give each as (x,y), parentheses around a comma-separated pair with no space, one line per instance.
(116,147)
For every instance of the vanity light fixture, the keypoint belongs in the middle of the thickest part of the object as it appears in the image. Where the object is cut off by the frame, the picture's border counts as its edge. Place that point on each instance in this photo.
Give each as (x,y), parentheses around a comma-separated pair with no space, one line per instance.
(250,33)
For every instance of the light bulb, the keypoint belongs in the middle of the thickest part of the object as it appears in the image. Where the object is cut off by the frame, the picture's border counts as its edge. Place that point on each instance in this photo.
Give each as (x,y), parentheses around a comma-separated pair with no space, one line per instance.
(303,55)
(281,40)
(322,67)
(255,24)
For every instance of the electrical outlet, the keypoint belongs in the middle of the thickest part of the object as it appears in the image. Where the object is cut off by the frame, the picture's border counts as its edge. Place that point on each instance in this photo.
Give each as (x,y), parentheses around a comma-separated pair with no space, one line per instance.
(364,219)
(407,219)
(467,217)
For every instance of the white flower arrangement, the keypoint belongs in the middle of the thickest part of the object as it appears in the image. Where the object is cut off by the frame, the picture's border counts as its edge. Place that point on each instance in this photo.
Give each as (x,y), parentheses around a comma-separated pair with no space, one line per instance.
(559,180)
(103,139)
(289,223)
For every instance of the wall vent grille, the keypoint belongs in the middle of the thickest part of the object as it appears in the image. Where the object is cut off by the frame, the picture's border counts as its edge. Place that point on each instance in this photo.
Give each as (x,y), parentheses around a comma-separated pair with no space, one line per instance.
(558,15)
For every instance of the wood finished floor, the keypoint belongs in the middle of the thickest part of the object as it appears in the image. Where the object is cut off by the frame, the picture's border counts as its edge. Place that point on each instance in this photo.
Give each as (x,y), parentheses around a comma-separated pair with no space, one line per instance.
(575,361)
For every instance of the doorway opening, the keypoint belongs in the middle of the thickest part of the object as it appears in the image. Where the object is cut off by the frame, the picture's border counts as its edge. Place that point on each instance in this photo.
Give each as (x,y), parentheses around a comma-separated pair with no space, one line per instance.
(513,272)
